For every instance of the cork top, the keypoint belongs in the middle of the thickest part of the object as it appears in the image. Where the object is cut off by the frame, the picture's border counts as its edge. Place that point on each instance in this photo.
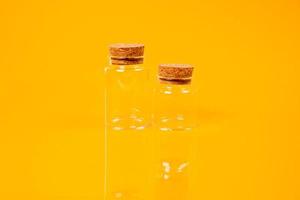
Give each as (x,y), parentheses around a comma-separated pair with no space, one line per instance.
(126,50)
(177,73)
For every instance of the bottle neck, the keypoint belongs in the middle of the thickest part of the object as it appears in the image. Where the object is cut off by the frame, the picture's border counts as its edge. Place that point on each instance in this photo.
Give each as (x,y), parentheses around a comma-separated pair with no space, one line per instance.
(174,87)
(126,60)
(175,81)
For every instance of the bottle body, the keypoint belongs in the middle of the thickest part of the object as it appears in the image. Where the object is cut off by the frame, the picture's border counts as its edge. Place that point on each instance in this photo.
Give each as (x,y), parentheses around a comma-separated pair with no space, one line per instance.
(174,122)
(127,132)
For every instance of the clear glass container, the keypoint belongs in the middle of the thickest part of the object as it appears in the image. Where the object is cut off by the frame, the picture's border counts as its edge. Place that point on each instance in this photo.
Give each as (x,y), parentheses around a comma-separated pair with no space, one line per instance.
(174,121)
(127,119)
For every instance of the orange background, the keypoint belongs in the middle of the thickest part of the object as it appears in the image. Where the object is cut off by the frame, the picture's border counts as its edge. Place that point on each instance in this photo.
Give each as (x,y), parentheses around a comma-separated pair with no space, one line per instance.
(246,53)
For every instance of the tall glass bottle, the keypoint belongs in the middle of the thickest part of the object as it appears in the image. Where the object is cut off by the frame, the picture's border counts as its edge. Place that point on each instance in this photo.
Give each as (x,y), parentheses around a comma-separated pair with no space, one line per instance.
(127,117)
(174,122)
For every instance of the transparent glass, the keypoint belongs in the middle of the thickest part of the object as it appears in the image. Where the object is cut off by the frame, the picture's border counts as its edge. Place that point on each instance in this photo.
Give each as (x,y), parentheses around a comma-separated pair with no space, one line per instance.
(127,114)
(174,121)
(174,107)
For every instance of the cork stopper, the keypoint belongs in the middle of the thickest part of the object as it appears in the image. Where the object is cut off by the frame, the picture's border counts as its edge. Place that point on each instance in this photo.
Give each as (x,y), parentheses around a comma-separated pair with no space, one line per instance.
(175,73)
(126,54)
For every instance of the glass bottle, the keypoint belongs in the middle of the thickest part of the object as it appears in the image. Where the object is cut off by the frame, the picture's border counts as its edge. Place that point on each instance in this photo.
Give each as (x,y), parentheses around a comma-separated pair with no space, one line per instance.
(127,117)
(174,122)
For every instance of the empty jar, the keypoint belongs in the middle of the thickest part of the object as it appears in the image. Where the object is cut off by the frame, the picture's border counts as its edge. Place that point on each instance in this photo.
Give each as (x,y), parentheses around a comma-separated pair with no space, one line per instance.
(174,120)
(127,119)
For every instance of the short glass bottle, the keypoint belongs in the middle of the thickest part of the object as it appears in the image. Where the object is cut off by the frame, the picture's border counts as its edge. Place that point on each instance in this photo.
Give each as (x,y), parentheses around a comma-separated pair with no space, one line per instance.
(174,120)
